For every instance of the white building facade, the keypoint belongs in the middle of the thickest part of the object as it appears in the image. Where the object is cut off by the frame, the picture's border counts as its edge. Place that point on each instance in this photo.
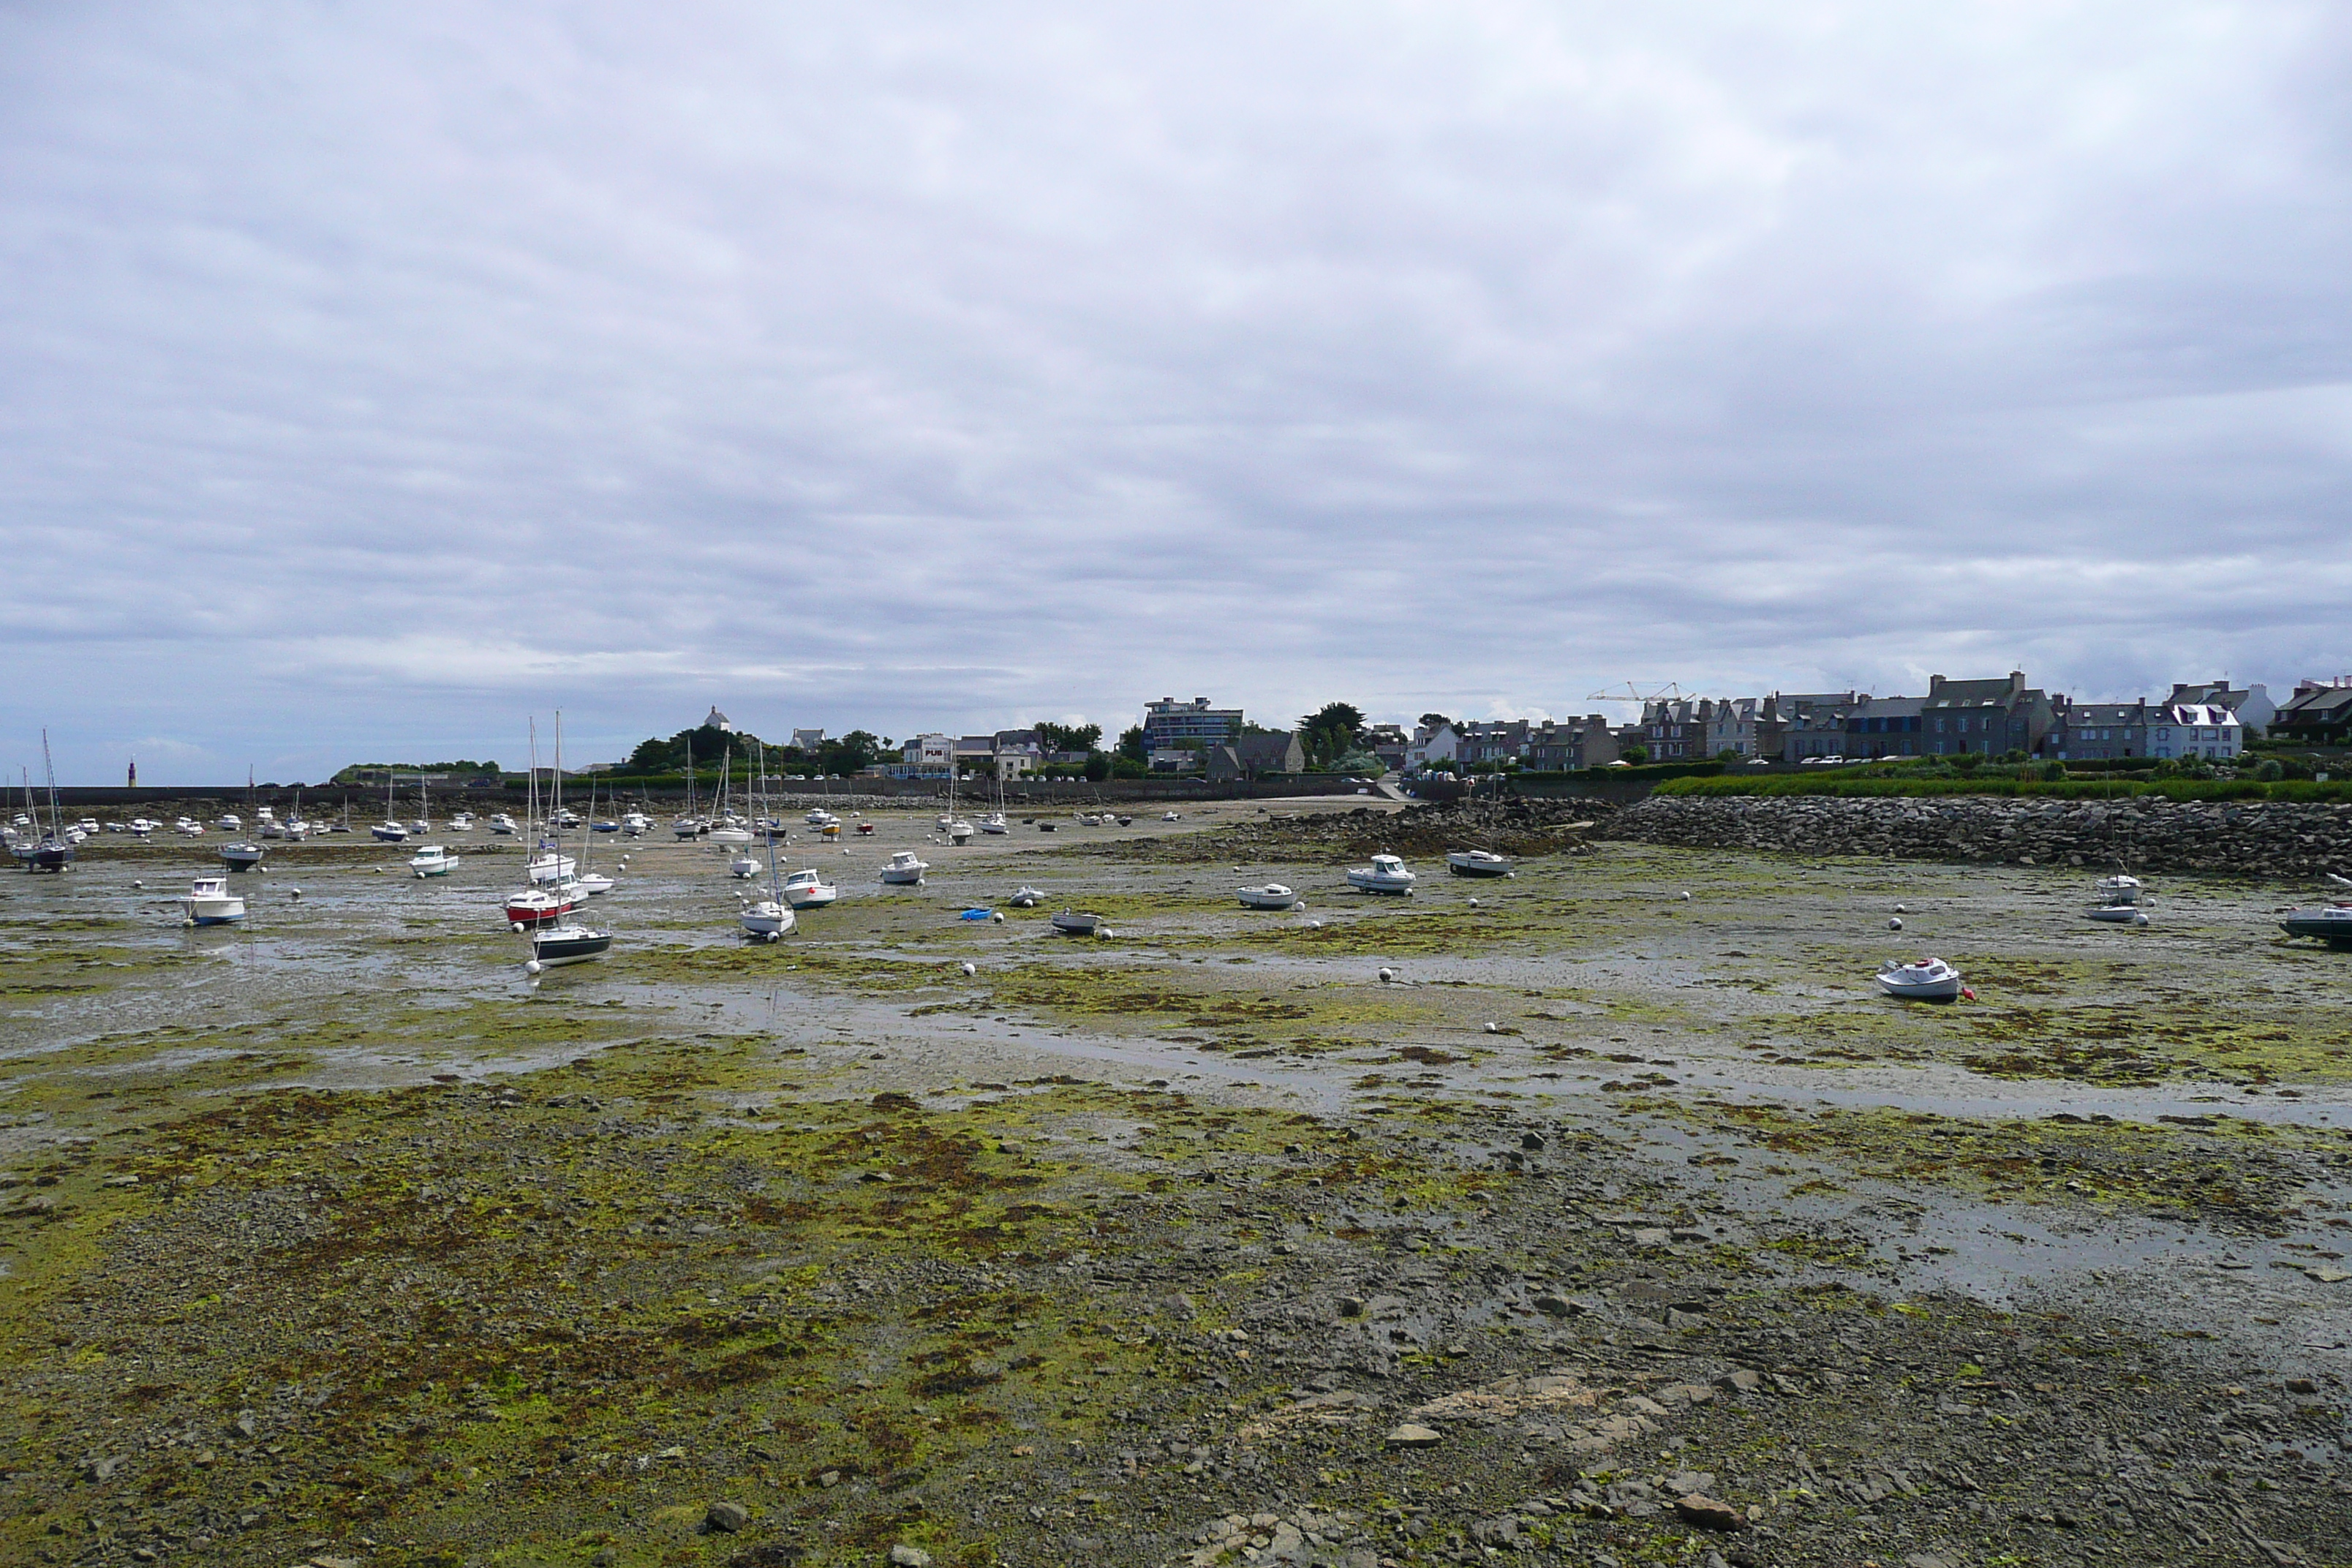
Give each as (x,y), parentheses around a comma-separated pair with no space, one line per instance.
(2194,730)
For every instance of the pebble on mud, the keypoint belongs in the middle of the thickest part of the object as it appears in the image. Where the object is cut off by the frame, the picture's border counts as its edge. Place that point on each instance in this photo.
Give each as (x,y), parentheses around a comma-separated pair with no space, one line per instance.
(1709,1513)
(729,1517)
(904,1556)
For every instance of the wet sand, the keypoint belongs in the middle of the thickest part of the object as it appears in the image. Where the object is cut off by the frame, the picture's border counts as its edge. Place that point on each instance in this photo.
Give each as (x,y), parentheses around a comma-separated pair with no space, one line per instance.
(376,1158)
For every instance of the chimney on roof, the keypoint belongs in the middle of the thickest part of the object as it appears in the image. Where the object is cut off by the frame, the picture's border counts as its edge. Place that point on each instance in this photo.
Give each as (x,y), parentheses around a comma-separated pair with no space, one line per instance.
(2016,681)
(1934,687)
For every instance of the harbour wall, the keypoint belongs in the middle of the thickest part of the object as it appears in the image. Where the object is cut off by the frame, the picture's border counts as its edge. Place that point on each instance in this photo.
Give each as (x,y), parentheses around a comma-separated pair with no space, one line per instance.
(2250,838)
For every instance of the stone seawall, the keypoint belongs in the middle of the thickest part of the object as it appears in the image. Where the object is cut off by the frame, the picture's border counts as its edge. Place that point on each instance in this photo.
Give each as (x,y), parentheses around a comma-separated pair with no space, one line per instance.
(2253,838)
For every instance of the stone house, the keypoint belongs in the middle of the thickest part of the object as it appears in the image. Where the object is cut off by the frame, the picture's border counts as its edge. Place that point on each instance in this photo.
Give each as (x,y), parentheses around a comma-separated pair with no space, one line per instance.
(1566,744)
(1988,717)
(1885,727)
(2318,714)
(2090,731)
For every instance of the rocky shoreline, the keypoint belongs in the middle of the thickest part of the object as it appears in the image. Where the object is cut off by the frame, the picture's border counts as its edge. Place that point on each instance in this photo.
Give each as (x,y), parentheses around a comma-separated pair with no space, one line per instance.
(2251,838)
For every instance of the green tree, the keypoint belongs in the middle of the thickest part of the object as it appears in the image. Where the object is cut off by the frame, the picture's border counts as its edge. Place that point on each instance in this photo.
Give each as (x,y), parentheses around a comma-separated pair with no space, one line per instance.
(1635,754)
(1330,731)
(1070,737)
(1434,721)
(1130,745)
(857,750)
(1097,766)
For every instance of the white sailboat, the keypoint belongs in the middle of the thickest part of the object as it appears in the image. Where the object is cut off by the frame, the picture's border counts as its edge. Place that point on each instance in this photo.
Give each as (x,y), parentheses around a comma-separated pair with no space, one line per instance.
(391,830)
(726,827)
(567,941)
(771,917)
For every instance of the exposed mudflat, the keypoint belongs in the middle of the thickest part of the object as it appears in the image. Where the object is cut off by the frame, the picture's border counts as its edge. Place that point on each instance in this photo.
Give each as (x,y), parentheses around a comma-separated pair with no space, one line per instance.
(1612,1226)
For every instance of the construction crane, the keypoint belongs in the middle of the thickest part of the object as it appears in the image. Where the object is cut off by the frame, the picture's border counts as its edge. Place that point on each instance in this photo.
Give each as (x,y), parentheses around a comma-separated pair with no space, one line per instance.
(1627,691)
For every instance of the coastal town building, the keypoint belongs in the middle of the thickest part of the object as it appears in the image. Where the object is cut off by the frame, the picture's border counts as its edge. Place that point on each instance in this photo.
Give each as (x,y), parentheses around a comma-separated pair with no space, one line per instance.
(2095,731)
(1812,723)
(2251,704)
(1431,743)
(1492,741)
(2194,730)
(1988,717)
(1168,724)
(2318,714)
(809,740)
(1885,727)
(1563,744)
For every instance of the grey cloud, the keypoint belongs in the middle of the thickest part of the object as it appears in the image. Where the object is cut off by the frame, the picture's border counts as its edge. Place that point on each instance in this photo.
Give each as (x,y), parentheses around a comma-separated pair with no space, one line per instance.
(378,377)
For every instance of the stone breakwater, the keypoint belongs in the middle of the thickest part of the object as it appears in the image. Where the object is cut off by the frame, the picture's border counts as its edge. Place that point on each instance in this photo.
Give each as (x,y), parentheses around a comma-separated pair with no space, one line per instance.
(2253,838)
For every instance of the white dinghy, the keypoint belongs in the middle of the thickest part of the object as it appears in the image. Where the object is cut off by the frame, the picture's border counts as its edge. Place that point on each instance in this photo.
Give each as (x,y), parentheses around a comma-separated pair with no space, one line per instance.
(1272,896)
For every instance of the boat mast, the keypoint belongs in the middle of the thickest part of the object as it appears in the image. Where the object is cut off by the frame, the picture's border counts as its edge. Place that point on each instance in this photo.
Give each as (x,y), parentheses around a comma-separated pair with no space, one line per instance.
(49,769)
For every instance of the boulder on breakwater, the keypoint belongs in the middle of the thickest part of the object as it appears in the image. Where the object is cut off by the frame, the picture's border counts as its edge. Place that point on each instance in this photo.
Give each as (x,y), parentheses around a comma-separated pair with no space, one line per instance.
(2250,838)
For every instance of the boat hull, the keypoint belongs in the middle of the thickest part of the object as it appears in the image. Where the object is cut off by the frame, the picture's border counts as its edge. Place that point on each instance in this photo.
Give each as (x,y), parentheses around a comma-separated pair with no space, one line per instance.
(811,897)
(2116,914)
(217,912)
(1946,989)
(2332,929)
(556,948)
(537,914)
(241,857)
(1268,899)
(46,857)
(1078,925)
(1469,866)
(766,920)
(1388,886)
(385,834)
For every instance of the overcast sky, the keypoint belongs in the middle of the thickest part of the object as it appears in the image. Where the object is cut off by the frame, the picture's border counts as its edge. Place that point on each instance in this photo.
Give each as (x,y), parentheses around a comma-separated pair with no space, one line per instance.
(373,377)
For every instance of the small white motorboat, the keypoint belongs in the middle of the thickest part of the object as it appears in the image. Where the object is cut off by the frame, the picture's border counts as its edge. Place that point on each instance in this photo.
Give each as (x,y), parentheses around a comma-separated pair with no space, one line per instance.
(390,832)
(1071,923)
(432,860)
(805,890)
(1273,896)
(1386,874)
(295,830)
(634,823)
(1477,863)
(1026,897)
(265,824)
(1171,816)
(690,827)
(2117,914)
(209,902)
(820,818)
(502,825)
(242,856)
(567,942)
(2119,889)
(229,822)
(959,831)
(462,823)
(140,826)
(905,870)
(190,826)
(993,823)
(1922,980)
(742,864)
(591,885)
(1090,819)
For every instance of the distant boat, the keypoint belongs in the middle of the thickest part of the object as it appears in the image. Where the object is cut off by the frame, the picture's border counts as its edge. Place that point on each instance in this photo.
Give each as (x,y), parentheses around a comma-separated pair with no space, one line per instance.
(905,870)
(538,906)
(390,832)
(994,823)
(1071,923)
(1272,896)
(1386,874)
(742,864)
(208,902)
(502,825)
(432,860)
(229,822)
(2331,924)
(2119,889)
(1026,897)
(1477,863)
(242,856)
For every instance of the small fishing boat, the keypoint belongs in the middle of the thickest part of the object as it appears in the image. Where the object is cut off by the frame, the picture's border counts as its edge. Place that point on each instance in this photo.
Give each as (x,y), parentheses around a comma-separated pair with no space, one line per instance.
(606,825)
(502,825)
(390,832)
(1386,874)
(1273,896)
(742,864)
(1070,923)
(462,823)
(1026,897)
(242,856)
(1477,863)
(549,866)
(591,884)
(432,860)
(831,831)
(229,822)
(820,818)
(1922,980)
(208,902)
(2331,924)
(959,831)
(634,823)
(905,870)
(805,890)
(568,942)
(865,830)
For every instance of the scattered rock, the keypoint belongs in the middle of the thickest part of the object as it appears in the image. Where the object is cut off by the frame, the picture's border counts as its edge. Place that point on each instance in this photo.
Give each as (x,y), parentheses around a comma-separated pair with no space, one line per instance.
(1411,1437)
(729,1517)
(904,1556)
(1709,1513)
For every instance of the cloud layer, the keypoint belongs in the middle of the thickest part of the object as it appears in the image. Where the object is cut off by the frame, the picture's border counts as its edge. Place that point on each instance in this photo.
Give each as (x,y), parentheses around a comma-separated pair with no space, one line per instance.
(377,376)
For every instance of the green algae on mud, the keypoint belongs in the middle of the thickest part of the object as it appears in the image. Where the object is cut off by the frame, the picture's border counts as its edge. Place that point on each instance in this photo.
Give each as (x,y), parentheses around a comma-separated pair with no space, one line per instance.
(2228,1172)
(451,1303)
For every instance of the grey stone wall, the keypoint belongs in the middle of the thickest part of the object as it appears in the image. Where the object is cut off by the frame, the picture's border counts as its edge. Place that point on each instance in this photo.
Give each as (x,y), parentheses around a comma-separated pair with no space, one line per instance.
(2254,839)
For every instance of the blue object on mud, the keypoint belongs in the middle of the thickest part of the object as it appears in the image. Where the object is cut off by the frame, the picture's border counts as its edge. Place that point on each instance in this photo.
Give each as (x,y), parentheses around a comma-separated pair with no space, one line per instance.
(976,914)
